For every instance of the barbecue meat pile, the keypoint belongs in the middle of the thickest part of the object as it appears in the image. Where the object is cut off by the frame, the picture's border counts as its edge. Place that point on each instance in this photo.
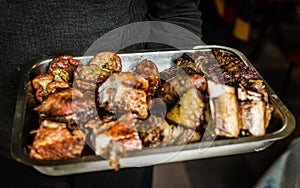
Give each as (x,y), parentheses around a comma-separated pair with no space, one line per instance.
(99,106)
(239,103)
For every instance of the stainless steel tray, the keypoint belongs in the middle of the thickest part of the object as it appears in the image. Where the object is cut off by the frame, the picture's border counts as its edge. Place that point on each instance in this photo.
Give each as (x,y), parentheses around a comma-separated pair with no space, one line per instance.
(282,124)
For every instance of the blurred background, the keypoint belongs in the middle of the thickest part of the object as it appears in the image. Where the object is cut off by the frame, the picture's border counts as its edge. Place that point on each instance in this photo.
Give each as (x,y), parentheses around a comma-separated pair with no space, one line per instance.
(267,32)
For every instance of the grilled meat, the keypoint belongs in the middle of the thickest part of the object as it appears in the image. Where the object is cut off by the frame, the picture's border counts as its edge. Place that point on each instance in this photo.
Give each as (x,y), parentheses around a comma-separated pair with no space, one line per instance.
(54,141)
(255,107)
(117,111)
(63,67)
(223,68)
(124,92)
(234,71)
(107,60)
(170,73)
(64,102)
(174,88)
(224,110)
(189,110)
(148,70)
(255,113)
(68,105)
(191,63)
(40,84)
(156,131)
(199,82)
(87,77)
(52,86)
(42,80)
(100,67)
(113,139)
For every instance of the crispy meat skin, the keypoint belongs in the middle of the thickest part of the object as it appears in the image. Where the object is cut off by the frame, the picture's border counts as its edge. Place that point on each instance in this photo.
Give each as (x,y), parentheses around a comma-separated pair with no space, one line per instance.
(62,67)
(56,143)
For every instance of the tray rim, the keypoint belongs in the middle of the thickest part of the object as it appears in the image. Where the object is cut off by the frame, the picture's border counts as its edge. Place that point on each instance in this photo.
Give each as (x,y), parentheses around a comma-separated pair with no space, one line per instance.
(18,153)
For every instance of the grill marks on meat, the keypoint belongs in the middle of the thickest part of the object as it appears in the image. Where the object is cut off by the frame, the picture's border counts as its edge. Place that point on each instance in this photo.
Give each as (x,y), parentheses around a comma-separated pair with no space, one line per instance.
(240,105)
(255,109)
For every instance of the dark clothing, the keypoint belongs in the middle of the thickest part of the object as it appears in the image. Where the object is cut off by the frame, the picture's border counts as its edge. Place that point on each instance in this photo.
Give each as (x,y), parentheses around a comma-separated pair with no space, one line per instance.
(17,175)
(31,31)
(37,29)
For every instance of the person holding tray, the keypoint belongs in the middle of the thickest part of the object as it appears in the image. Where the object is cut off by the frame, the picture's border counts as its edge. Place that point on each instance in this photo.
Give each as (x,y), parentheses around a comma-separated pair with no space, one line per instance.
(38,29)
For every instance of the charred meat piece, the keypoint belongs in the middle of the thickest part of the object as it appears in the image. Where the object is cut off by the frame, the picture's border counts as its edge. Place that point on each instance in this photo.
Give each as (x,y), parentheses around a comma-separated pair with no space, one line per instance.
(52,86)
(199,82)
(224,110)
(124,92)
(156,131)
(173,89)
(100,67)
(85,85)
(255,113)
(45,85)
(170,73)
(40,84)
(89,73)
(65,102)
(53,141)
(191,63)
(115,138)
(63,67)
(87,77)
(107,60)
(234,71)
(253,117)
(42,80)
(148,70)
(78,117)
(189,110)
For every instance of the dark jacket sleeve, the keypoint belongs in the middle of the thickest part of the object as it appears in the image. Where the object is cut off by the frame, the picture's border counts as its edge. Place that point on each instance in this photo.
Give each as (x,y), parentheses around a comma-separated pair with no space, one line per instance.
(184,13)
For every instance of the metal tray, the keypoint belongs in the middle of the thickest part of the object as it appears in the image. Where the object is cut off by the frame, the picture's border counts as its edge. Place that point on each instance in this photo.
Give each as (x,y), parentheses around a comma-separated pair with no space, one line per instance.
(282,124)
